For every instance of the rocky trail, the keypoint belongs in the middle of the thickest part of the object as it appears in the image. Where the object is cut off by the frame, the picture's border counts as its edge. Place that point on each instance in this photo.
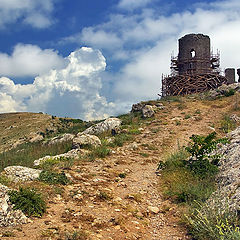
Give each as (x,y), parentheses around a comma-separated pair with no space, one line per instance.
(120,197)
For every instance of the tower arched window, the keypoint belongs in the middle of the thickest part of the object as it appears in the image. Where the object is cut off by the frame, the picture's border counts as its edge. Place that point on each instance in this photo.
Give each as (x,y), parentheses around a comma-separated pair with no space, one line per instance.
(193,53)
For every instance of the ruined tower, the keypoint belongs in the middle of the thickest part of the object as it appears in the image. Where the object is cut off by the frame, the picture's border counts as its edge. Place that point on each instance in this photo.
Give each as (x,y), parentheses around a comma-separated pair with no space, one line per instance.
(195,69)
(195,56)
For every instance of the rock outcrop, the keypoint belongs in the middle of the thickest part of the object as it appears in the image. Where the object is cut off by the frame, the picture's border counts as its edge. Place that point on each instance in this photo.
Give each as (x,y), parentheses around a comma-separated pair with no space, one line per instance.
(21,174)
(107,125)
(147,111)
(229,176)
(223,90)
(9,216)
(86,139)
(63,138)
(74,153)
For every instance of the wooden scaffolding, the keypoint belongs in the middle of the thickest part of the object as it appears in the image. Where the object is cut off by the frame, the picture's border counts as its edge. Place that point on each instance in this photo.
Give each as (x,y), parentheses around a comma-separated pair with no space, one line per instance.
(189,84)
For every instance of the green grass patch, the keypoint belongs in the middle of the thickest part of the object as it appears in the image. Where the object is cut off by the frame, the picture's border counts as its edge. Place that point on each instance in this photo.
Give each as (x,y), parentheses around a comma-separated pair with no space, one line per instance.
(213,220)
(25,154)
(120,139)
(28,200)
(188,176)
(187,116)
(144,154)
(61,162)
(53,178)
(122,175)
(227,124)
(99,152)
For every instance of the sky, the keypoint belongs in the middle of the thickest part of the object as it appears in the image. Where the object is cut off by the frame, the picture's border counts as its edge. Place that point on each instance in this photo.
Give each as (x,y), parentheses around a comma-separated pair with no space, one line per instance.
(93,59)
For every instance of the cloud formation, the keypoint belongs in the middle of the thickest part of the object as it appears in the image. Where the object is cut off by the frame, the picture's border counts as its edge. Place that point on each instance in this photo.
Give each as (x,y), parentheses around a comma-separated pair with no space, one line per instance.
(71,91)
(36,13)
(133,4)
(144,40)
(29,60)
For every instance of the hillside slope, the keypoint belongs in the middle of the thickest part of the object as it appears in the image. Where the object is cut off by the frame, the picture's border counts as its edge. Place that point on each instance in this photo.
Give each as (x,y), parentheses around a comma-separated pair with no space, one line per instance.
(116,197)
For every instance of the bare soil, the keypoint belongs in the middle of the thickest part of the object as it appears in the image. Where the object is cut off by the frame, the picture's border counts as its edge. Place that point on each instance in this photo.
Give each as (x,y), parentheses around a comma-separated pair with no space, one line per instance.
(107,207)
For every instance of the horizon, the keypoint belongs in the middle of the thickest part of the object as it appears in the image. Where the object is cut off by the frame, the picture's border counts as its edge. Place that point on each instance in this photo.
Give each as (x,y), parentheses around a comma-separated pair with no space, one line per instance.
(90,60)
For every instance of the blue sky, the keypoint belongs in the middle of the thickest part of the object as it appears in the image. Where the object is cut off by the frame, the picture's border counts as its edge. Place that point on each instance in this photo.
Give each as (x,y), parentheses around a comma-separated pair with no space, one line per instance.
(91,59)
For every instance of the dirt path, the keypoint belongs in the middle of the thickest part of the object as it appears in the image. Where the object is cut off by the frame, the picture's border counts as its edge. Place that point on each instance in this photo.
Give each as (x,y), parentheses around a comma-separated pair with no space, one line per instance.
(115,198)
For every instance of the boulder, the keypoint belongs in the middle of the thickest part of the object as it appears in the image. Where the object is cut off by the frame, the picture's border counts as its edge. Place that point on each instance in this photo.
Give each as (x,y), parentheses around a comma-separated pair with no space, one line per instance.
(86,139)
(147,111)
(137,107)
(154,210)
(229,169)
(8,216)
(35,137)
(63,138)
(107,125)
(74,153)
(235,118)
(21,174)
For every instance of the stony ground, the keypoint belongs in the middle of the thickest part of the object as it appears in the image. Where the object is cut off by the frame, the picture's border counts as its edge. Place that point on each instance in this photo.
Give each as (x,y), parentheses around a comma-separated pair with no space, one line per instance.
(116,197)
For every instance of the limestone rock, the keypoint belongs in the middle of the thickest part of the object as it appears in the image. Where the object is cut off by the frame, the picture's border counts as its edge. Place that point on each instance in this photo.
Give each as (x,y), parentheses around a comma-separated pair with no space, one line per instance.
(86,139)
(147,111)
(107,125)
(229,170)
(74,153)
(21,174)
(137,107)
(60,139)
(235,118)
(35,137)
(155,210)
(132,146)
(8,216)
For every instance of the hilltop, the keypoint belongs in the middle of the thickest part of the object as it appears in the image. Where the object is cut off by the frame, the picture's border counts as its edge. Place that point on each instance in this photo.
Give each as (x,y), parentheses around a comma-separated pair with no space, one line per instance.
(117,194)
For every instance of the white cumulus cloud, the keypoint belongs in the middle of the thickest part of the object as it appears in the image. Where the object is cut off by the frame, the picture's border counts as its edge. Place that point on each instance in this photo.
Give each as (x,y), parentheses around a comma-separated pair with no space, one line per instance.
(70,91)
(146,39)
(29,60)
(36,13)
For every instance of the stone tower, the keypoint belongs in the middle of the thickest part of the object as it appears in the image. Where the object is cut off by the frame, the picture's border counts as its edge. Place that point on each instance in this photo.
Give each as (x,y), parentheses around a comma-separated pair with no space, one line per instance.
(195,69)
(194,56)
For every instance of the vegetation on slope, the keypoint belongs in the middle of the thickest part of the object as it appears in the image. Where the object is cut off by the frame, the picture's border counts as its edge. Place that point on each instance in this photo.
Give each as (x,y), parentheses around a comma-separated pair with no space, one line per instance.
(188,176)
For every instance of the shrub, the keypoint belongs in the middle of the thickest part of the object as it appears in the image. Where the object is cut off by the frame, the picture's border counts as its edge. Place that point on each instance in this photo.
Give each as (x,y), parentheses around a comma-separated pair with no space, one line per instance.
(28,200)
(53,178)
(214,220)
(229,93)
(188,180)
(227,124)
(201,162)
(100,152)
(76,235)
(122,175)
(61,162)
(120,139)
(104,196)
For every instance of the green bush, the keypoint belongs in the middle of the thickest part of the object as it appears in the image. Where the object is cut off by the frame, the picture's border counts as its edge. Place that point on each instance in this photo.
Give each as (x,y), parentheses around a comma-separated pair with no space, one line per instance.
(227,124)
(120,139)
(189,191)
(28,200)
(201,162)
(229,93)
(61,162)
(53,178)
(99,152)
